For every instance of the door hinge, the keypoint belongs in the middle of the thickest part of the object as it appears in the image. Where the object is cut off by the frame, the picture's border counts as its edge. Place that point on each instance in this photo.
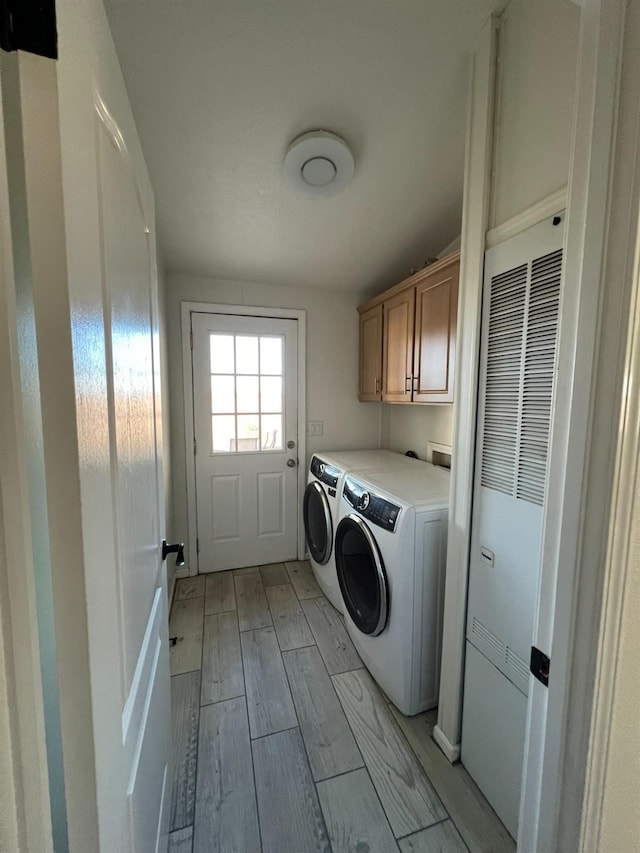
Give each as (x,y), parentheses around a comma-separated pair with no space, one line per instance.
(540,666)
(191,338)
(197,546)
(195,447)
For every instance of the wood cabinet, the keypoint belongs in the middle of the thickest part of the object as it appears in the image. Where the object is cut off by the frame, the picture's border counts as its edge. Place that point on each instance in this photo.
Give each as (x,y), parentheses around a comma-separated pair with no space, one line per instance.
(408,338)
(371,354)
(434,348)
(397,344)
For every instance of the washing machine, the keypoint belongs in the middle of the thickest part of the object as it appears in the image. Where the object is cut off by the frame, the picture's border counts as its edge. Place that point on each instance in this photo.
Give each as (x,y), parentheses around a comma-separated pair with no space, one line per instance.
(321,503)
(390,553)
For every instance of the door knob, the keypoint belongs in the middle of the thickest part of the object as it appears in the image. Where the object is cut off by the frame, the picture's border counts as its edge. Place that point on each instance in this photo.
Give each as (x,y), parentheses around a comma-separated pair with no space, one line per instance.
(177,549)
(291,463)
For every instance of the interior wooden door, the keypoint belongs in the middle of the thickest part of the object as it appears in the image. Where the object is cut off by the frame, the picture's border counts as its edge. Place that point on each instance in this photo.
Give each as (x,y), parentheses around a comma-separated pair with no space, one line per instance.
(397,357)
(435,336)
(370,386)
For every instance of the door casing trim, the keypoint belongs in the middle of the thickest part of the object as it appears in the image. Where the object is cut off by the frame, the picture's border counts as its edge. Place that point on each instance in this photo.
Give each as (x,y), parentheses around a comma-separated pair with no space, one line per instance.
(186,310)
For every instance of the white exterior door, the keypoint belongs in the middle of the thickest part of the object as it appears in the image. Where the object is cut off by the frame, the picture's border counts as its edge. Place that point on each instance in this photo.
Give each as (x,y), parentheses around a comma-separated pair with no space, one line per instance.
(246,444)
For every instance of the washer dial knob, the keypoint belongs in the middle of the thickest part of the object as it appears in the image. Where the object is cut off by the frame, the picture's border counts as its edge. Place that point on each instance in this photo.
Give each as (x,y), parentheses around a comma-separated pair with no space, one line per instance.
(363,500)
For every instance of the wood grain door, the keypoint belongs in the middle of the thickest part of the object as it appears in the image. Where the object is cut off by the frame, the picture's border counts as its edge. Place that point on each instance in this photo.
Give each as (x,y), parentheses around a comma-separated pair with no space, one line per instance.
(435,336)
(370,386)
(397,350)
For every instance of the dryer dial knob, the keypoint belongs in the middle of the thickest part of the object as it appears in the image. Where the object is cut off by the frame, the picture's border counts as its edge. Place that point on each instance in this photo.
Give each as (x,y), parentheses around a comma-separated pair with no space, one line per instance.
(321,469)
(363,500)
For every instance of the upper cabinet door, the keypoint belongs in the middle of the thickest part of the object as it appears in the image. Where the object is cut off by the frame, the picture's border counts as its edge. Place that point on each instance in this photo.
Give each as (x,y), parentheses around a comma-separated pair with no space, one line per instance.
(397,357)
(370,389)
(435,336)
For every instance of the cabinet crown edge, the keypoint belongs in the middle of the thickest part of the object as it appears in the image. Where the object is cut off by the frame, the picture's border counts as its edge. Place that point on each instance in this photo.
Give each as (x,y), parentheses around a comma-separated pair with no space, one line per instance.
(411,281)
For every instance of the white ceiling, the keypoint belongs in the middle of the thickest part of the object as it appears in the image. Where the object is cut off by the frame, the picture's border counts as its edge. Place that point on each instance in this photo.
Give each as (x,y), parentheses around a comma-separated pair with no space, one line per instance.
(219,88)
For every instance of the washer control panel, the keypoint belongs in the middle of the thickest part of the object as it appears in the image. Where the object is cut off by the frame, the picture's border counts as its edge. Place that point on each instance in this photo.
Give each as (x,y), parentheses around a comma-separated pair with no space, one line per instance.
(324,472)
(375,509)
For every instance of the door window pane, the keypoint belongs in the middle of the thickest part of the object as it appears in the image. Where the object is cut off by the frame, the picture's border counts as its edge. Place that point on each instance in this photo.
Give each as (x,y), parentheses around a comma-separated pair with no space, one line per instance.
(222,394)
(223,431)
(248,399)
(247,388)
(248,432)
(271,393)
(221,351)
(272,432)
(246,354)
(271,356)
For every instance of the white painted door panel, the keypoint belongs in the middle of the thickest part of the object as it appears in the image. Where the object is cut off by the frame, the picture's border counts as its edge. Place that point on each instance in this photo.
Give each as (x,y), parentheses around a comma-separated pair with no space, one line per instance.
(127,274)
(245,419)
(127,309)
(109,222)
(515,406)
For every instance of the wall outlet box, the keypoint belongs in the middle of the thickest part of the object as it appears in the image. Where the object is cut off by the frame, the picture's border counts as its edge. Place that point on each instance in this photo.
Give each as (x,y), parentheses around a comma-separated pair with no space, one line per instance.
(315,427)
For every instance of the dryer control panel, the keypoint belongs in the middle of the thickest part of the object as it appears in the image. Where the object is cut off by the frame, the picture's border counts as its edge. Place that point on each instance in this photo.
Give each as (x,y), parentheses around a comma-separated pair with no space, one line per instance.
(375,509)
(327,474)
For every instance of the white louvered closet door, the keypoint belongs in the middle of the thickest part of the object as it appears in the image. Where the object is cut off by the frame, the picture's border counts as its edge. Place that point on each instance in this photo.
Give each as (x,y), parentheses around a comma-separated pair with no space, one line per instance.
(520,319)
(515,399)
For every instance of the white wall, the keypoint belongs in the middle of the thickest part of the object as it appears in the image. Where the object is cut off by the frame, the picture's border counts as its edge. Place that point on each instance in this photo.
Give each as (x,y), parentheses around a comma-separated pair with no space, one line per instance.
(410,427)
(332,366)
(538,49)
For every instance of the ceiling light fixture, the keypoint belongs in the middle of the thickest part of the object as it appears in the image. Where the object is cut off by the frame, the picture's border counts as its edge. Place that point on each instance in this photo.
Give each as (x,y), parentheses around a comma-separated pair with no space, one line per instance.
(319,163)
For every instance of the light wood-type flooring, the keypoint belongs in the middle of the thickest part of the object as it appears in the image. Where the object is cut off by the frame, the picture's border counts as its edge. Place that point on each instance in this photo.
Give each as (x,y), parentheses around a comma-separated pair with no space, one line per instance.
(283,743)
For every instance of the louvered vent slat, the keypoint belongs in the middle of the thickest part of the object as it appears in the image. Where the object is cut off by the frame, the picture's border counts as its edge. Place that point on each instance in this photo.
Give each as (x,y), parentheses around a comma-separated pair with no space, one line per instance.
(519,373)
(502,383)
(539,369)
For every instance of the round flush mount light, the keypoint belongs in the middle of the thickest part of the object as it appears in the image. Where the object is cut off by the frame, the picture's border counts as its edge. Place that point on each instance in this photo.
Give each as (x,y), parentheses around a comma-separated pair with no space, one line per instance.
(319,163)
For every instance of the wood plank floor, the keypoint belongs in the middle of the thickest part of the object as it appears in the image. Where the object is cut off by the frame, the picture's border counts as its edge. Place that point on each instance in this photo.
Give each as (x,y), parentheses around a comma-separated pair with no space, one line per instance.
(289,621)
(284,744)
(405,792)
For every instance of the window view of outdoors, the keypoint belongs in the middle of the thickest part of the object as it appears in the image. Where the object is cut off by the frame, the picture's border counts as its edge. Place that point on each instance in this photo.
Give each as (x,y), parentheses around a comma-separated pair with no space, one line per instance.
(246,393)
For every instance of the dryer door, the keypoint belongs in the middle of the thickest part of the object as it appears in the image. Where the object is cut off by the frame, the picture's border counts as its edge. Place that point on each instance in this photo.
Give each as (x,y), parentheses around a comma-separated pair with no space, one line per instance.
(361,575)
(318,526)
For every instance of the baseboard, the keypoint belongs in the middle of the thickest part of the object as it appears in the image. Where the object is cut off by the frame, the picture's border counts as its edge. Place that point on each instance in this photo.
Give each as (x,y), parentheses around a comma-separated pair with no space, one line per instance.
(451,751)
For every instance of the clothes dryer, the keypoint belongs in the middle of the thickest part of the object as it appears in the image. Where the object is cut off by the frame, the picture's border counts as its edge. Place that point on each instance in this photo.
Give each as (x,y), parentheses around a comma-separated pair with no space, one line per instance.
(321,503)
(390,553)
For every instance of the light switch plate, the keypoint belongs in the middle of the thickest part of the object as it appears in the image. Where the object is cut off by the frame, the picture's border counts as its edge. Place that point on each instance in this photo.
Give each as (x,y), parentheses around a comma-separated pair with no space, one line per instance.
(315,427)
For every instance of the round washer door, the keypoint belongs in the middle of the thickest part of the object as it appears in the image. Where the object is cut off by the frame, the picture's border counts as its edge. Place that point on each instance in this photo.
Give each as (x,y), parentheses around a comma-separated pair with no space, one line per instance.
(361,575)
(318,526)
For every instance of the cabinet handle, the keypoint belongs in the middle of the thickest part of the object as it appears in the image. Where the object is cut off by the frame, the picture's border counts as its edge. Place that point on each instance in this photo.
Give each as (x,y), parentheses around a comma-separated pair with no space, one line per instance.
(415,383)
(377,386)
(407,384)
